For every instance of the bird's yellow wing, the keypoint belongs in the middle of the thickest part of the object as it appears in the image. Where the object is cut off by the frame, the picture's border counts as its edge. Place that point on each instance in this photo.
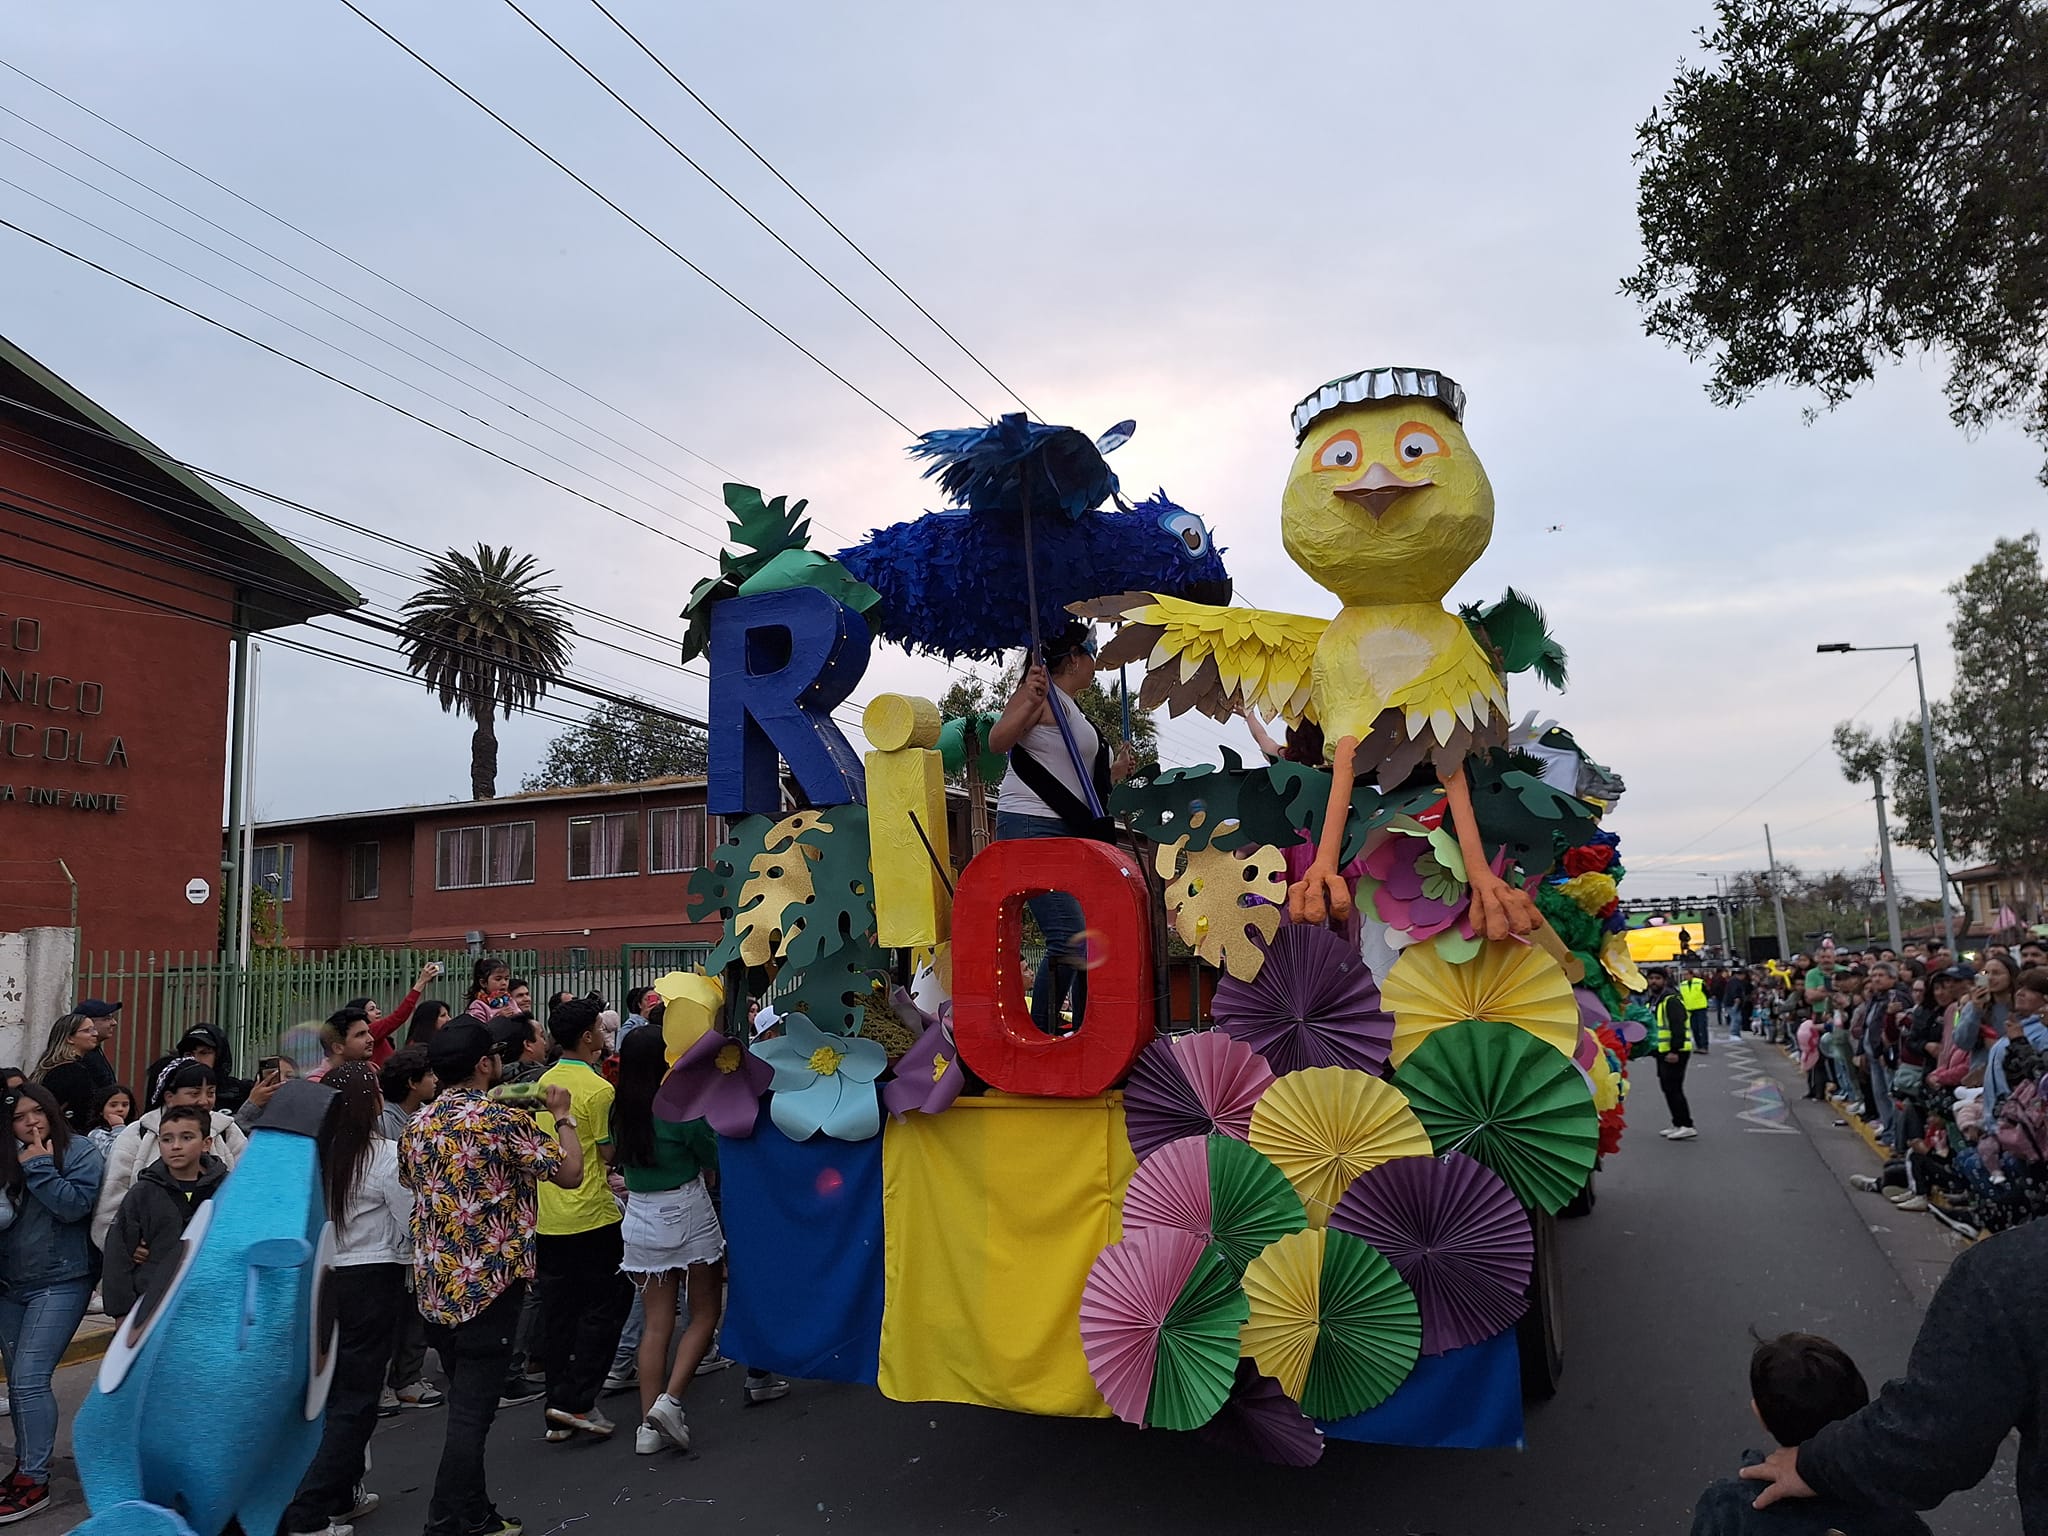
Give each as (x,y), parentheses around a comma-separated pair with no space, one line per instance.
(1216,660)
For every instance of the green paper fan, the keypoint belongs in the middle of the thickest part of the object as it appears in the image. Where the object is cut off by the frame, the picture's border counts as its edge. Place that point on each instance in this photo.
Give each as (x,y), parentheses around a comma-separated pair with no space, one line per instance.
(1251,1204)
(1371,1332)
(1510,1101)
(1196,1362)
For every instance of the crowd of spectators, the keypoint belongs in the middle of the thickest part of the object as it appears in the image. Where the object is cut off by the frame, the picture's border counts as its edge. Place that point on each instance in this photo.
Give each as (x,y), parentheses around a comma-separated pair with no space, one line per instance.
(1943,1058)
(540,1291)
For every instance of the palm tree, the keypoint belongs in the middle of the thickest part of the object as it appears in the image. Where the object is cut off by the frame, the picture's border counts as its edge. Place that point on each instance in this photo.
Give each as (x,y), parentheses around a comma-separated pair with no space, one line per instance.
(487,637)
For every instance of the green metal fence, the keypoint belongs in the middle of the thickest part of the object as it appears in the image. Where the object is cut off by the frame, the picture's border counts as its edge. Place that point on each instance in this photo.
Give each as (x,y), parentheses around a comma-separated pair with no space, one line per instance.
(163,993)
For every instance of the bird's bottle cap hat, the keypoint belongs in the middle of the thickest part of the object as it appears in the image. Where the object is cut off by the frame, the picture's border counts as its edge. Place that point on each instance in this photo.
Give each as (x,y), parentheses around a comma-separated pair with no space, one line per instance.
(1380,384)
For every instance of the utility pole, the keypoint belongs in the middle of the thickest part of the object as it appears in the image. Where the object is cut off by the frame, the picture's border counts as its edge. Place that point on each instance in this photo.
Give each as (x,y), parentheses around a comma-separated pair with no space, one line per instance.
(1777,896)
(1884,864)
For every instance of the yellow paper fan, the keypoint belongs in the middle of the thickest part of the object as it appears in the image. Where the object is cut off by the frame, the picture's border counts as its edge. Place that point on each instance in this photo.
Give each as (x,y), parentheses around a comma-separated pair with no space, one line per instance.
(1324,1126)
(1284,1285)
(1505,983)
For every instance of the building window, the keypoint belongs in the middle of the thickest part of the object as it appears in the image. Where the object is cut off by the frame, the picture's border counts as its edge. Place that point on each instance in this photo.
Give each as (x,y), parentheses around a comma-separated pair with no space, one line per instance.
(270,869)
(465,857)
(603,846)
(364,860)
(675,839)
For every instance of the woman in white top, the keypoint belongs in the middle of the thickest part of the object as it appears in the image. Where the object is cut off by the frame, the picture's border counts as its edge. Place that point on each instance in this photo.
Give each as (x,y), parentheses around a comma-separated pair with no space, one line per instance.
(372,1216)
(1043,796)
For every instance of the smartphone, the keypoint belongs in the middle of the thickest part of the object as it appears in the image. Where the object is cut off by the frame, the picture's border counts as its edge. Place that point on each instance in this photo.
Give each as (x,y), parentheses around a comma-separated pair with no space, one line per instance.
(270,1067)
(433,969)
(520,1095)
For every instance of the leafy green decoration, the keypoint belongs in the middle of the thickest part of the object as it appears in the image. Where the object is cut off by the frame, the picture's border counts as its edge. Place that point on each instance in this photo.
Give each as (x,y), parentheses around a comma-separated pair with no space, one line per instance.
(1232,807)
(830,990)
(715,890)
(1514,629)
(842,907)
(1197,803)
(1534,821)
(760,530)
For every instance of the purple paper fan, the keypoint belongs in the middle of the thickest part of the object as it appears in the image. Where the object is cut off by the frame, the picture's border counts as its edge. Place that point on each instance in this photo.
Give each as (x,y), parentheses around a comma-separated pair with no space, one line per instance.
(1457,1235)
(1192,1085)
(1260,1420)
(1314,1003)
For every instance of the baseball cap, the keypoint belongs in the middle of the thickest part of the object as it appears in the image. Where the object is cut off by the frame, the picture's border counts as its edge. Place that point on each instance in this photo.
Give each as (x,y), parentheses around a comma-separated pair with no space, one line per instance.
(457,1048)
(1959,972)
(509,1034)
(766,1020)
(97,1008)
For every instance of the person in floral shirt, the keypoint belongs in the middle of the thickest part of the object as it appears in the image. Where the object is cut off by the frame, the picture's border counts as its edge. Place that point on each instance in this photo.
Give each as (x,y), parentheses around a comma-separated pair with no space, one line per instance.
(475,1166)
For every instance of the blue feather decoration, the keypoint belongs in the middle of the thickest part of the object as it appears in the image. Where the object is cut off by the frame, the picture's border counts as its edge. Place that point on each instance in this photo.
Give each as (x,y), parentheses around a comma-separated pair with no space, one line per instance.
(952,583)
(990,468)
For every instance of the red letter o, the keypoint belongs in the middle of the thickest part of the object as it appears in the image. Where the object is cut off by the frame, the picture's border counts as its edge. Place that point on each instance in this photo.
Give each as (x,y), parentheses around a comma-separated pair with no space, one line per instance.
(992,1018)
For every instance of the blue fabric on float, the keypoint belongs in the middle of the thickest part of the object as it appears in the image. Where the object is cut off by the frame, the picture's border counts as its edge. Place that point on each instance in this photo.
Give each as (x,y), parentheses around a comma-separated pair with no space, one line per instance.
(803,1234)
(1469,1399)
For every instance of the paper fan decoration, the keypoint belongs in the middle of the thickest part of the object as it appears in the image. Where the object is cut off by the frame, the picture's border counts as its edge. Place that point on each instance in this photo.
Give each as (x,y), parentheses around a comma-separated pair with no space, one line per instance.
(1505,1098)
(1160,1319)
(1457,1235)
(1220,1190)
(1191,1085)
(1260,1420)
(1505,983)
(1324,1126)
(1312,1004)
(1331,1321)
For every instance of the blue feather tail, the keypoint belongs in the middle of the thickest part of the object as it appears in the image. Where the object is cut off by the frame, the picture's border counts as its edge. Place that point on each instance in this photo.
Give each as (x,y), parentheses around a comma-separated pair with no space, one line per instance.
(991,468)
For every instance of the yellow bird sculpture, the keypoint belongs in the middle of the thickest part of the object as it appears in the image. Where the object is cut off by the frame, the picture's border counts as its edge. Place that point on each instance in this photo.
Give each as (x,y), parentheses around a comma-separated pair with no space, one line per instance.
(1386,506)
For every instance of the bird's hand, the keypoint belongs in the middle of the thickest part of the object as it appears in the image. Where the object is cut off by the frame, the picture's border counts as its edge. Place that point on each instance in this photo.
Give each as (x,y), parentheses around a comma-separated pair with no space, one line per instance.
(1321,895)
(1780,1469)
(1499,909)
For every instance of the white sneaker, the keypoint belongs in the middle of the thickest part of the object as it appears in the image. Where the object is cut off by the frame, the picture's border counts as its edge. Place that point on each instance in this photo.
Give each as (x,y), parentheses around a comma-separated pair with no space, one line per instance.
(387,1403)
(621,1377)
(421,1394)
(1668,1132)
(1684,1133)
(1913,1203)
(647,1440)
(361,1502)
(712,1361)
(667,1416)
(332,1528)
(1867,1182)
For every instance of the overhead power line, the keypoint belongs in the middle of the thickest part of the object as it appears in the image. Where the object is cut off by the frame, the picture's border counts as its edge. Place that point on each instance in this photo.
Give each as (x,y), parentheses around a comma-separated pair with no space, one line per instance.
(615,207)
(387,281)
(767,229)
(822,216)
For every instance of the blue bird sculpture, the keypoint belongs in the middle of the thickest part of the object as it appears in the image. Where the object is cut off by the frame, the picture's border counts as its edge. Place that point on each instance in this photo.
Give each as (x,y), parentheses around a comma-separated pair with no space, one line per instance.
(953,582)
(247,1302)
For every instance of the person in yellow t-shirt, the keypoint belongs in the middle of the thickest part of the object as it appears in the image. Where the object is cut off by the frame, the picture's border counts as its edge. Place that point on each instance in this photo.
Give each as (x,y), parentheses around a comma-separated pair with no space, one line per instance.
(584,1297)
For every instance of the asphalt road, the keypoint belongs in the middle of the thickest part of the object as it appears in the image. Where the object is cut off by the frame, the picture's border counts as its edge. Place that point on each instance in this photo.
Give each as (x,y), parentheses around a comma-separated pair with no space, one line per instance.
(1693,1247)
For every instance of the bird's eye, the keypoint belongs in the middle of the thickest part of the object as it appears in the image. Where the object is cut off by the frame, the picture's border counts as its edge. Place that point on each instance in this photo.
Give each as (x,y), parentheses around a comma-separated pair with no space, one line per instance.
(1415,442)
(1341,452)
(1192,532)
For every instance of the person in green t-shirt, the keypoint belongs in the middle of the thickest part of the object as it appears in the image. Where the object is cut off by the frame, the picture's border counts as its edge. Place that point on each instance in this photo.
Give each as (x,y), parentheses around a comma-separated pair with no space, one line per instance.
(584,1298)
(671,1232)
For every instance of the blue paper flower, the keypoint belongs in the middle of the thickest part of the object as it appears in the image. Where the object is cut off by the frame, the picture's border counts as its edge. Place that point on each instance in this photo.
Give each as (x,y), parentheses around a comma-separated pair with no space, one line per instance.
(823,1082)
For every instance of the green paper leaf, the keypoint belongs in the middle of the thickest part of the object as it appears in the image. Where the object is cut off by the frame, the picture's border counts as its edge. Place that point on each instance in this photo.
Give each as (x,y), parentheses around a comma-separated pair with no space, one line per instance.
(1508,1100)
(1195,1362)
(1251,1204)
(1455,948)
(830,989)
(1532,820)
(808,568)
(842,910)
(1370,1335)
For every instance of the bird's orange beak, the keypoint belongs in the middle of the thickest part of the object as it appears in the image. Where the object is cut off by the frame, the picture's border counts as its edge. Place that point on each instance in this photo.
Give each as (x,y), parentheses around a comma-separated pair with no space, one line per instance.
(1379,488)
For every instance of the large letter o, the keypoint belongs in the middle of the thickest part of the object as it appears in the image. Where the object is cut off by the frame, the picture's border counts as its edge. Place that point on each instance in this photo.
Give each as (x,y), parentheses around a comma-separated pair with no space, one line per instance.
(991,1016)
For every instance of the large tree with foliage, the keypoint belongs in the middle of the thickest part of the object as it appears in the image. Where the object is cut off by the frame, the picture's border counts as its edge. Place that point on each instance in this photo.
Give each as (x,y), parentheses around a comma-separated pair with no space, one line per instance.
(622,743)
(1991,732)
(487,637)
(1847,181)
(1847,903)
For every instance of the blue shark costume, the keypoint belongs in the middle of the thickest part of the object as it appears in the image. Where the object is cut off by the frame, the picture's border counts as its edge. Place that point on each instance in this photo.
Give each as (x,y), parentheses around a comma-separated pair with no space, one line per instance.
(246,1301)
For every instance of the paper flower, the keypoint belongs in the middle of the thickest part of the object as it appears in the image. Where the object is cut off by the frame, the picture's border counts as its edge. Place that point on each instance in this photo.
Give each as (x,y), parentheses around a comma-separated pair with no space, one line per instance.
(1588,859)
(929,1076)
(823,1082)
(715,1081)
(1592,892)
(1417,890)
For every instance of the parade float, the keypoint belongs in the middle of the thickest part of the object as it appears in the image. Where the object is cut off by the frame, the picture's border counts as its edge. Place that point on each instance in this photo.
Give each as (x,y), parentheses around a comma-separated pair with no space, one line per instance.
(1326,1206)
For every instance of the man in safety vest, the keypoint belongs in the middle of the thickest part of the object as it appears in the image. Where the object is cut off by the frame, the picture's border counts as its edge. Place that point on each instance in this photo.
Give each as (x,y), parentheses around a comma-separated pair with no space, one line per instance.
(1671,1036)
(1693,993)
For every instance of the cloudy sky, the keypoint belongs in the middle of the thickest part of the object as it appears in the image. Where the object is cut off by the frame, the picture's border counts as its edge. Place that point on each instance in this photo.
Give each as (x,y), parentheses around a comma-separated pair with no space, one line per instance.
(1181,213)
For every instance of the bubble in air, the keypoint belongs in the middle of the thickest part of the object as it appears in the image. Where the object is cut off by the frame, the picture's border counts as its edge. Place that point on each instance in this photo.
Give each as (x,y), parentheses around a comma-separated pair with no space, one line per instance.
(830,1182)
(1091,949)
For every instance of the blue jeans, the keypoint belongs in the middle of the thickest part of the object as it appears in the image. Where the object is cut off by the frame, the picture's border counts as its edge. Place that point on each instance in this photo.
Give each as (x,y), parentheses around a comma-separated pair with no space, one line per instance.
(35,1330)
(1060,973)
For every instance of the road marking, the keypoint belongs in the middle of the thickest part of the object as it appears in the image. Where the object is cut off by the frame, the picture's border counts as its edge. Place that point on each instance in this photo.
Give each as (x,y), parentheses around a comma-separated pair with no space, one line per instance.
(1768,1114)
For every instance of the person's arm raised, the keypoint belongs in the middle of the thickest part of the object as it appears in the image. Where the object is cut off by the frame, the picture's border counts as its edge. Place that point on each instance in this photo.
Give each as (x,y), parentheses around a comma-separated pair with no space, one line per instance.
(1027,707)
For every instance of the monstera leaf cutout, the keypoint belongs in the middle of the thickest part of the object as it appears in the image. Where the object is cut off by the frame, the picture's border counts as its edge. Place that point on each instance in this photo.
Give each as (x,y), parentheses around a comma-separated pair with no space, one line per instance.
(831,989)
(1210,913)
(1532,820)
(1194,806)
(842,908)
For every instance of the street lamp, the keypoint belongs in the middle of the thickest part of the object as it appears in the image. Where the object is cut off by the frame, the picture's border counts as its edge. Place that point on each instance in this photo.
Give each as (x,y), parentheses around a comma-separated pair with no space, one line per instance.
(1948,926)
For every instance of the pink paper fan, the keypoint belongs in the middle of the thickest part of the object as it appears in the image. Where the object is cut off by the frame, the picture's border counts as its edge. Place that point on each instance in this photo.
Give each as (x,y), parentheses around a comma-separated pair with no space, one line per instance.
(1171,1189)
(1314,1003)
(1129,1290)
(1192,1085)
(1263,1421)
(1458,1236)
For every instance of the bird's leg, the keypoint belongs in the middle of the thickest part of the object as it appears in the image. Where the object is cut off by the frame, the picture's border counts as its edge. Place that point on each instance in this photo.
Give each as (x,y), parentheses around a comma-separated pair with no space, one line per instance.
(1498,909)
(1323,893)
